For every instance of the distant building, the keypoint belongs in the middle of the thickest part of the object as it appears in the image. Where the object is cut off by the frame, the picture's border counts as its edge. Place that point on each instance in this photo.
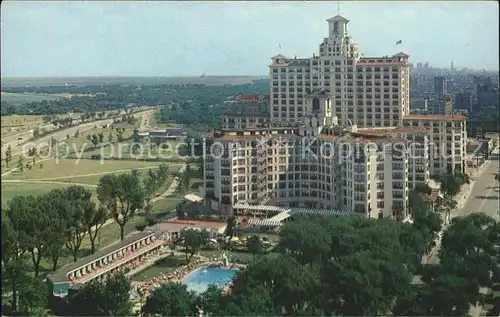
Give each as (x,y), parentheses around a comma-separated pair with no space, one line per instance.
(440,87)
(464,100)
(420,105)
(167,134)
(441,106)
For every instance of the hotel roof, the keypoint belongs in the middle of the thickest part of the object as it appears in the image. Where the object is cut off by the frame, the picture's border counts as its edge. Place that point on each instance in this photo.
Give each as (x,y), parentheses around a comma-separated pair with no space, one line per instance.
(337,18)
(395,130)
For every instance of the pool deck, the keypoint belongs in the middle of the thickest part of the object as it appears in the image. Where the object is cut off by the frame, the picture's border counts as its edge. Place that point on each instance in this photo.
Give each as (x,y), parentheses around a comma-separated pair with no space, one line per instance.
(178,275)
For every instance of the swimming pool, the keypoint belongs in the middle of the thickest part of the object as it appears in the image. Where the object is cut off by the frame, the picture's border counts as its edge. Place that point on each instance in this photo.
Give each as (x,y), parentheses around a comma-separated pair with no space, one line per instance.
(199,279)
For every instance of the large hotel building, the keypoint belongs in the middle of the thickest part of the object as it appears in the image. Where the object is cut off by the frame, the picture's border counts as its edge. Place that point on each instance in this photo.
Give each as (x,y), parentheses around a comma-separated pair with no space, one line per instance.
(367,91)
(339,135)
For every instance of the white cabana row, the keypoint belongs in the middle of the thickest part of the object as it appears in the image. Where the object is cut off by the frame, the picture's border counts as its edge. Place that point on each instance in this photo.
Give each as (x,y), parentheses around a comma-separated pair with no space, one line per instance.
(281,216)
(263,222)
(259,207)
(319,212)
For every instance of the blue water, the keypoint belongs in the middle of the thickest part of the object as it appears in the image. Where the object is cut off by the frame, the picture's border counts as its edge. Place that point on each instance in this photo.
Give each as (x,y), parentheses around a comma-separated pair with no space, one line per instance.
(199,280)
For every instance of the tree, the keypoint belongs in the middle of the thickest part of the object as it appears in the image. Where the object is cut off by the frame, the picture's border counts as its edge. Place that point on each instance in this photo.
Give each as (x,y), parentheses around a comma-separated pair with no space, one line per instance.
(119,137)
(253,301)
(122,195)
(135,136)
(94,218)
(95,139)
(77,133)
(101,137)
(306,240)
(36,132)
(110,137)
(33,295)
(20,164)
(76,205)
(13,252)
(185,185)
(291,286)
(450,185)
(8,155)
(31,218)
(108,298)
(89,137)
(423,188)
(254,245)
(193,241)
(171,299)
(231,224)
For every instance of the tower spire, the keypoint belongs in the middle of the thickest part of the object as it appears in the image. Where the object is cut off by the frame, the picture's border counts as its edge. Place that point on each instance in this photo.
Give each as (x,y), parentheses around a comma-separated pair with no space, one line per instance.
(338,7)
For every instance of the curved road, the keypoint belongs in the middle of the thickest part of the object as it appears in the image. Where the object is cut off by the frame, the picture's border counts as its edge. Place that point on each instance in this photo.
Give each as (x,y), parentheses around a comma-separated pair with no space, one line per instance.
(61,135)
(484,197)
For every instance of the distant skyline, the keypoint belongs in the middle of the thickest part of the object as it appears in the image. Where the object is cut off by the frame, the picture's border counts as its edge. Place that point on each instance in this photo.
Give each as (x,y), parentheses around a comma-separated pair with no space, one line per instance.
(62,38)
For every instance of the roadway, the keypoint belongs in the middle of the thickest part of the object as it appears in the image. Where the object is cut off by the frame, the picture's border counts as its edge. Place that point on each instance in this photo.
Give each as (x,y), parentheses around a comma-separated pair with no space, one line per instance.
(484,197)
(61,135)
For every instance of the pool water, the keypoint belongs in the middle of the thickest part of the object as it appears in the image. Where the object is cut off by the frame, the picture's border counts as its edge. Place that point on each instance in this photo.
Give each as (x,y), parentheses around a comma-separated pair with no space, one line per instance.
(199,280)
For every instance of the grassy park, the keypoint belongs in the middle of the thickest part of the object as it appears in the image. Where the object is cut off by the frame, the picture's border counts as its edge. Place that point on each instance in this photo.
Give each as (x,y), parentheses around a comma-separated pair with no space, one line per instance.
(55,174)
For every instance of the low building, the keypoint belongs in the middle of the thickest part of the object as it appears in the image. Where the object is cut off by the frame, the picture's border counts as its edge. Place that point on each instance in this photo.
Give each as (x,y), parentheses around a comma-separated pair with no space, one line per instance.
(103,263)
(171,229)
(447,139)
(162,135)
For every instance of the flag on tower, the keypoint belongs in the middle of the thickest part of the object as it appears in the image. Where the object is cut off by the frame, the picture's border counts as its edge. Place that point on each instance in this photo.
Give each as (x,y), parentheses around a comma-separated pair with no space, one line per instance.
(399,42)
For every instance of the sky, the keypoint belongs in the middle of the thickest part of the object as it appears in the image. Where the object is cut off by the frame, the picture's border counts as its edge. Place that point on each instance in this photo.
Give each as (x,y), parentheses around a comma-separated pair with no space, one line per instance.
(63,38)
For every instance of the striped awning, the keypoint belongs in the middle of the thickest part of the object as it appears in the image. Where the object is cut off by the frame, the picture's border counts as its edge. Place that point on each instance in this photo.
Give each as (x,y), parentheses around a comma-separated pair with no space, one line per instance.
(259,207)
(263,222)
(281,216)
(319,212)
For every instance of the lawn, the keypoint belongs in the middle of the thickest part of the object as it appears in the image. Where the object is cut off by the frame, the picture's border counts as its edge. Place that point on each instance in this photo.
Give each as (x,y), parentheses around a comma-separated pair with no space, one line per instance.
(72,172)
(71,168)
(168,204)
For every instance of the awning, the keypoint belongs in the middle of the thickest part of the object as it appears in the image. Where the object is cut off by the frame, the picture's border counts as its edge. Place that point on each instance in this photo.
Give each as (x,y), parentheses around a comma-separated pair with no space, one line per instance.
(263,222)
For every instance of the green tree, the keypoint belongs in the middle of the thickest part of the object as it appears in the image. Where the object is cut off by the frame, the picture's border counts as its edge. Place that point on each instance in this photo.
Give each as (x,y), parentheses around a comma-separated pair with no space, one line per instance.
(8,155)
(423,188)
(254,245)
(135,136)
(194,240)
(94,219)
(30,217)
(13,252)
(100,135)
(306,240)
(252,301)
(450,185)
(231,224)
(110,137)
(33,297)
(95,139)
(20,163)
(171,299)
(36,132)
(77,133)
(108,298)
(76,204)
(123,195)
